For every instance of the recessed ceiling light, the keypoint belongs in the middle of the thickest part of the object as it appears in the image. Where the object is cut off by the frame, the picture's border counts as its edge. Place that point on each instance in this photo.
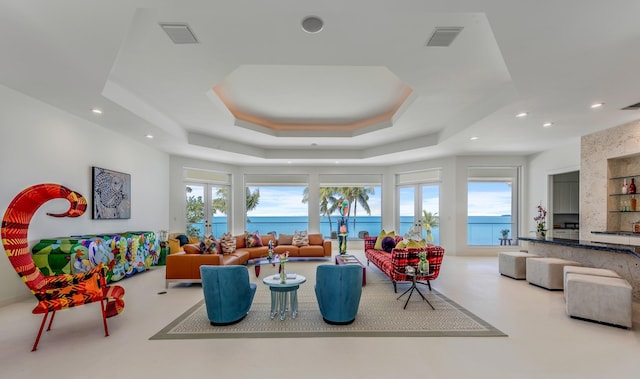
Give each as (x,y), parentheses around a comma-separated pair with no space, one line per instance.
(337,162)
(96,111)
(312,24)
(150,136)
(474,138)
(547,124)
(522,114)
(288,162)
(597,105)
(314,144)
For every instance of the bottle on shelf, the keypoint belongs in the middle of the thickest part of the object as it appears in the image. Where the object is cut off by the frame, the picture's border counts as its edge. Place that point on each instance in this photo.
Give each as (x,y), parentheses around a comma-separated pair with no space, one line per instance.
(632,186)
(633,203)
(624,187)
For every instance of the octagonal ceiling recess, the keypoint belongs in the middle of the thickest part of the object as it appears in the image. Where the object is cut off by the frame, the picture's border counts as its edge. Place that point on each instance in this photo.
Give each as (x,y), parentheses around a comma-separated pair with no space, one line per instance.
(322,101)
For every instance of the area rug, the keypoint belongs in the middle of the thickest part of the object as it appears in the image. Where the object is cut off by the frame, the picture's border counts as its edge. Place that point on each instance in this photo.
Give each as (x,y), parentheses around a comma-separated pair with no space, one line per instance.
(380,315)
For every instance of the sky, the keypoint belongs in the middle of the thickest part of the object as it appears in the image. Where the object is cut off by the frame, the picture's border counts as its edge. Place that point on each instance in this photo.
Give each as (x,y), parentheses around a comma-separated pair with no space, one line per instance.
(484,199)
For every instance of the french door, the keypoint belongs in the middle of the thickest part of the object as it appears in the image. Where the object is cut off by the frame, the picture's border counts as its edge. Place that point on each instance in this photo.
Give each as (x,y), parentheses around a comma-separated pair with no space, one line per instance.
(206,209)
(420,203)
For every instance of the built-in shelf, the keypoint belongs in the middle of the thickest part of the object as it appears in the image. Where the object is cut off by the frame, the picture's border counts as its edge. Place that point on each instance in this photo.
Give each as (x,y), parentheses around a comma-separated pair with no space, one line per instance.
(623,194)
(624,211)
(624,177)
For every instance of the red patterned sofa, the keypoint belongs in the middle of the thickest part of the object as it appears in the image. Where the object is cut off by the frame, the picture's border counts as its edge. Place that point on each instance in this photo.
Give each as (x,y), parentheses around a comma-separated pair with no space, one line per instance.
(393,264)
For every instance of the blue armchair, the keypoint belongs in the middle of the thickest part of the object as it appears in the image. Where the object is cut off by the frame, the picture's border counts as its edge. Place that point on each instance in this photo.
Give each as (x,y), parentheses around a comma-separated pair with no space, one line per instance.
(228,294)
(338,290)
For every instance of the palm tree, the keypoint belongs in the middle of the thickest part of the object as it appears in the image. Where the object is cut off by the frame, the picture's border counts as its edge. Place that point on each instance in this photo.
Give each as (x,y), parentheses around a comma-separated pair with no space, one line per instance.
(220,203)
(328,202)
(429,221)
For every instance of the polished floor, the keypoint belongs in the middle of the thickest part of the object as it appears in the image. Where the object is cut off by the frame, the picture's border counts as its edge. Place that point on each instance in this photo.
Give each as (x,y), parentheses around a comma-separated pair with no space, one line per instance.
(542,341)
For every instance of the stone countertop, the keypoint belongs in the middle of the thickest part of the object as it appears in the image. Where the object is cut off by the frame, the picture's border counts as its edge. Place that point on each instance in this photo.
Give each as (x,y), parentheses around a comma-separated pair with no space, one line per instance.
(617,233)
(592,245)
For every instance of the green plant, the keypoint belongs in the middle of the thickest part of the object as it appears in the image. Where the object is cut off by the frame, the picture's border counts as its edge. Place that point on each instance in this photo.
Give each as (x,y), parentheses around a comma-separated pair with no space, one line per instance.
(505,233)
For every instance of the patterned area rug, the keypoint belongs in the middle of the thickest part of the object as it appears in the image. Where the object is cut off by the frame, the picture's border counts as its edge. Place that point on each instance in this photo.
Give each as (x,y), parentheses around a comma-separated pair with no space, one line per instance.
(380,315)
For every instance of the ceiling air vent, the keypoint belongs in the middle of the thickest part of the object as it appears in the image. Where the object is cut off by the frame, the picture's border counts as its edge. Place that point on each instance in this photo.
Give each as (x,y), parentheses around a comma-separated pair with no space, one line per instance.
(632,107)
(179,33)
(444,36)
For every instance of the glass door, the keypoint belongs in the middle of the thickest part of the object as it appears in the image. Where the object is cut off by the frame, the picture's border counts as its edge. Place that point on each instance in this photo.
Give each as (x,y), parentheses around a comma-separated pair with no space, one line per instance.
(419,205)
(206,209)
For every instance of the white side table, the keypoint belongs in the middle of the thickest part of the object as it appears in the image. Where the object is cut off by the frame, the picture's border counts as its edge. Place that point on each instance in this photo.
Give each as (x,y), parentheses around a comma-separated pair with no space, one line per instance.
(279,294)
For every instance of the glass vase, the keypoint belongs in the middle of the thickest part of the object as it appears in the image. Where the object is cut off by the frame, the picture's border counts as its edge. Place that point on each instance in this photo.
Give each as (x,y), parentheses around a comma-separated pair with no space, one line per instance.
(283,274)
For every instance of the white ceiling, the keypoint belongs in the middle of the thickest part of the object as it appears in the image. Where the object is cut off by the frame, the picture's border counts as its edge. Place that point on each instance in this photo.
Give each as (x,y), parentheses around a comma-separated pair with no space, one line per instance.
(550,58)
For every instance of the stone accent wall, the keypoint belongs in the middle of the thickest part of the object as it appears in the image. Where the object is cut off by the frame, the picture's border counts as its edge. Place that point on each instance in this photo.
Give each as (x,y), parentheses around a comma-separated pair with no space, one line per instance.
(595,150)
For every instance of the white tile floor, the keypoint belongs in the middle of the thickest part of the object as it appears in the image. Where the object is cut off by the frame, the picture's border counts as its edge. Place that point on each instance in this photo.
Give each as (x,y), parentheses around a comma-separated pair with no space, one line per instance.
(542,343)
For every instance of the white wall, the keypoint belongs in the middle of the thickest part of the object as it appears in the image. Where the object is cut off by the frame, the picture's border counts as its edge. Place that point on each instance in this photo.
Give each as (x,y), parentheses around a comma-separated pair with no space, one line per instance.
(42,144)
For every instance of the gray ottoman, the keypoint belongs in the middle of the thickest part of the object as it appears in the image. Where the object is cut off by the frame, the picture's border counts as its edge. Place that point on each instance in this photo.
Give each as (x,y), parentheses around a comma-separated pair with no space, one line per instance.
(513,263)
(548,272)
(599,298)
(587,271)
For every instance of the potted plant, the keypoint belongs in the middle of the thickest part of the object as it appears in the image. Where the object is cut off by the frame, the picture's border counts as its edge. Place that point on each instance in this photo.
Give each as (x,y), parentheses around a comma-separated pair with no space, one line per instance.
(505,233)
(541,220)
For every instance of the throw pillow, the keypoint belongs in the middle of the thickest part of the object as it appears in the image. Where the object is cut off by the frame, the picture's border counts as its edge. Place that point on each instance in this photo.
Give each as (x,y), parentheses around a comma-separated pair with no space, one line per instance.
(388,243)
(253,239)
(378,244)
(285,239)
(300,238)
(192,248)
(209,245)
(228,243)
(183,239)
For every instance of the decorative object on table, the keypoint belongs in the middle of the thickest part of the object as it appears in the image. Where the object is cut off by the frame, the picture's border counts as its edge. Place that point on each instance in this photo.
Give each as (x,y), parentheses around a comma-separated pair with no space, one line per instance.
(270,251)
(283,273)
(54,292)
(163,238)
(541,220)
(505,233)
(111,194)
(423,266)
(429,221)
(343,226)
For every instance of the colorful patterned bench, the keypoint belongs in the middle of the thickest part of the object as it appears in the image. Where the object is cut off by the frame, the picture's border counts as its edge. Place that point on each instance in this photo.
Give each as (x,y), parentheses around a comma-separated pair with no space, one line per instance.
(124,254)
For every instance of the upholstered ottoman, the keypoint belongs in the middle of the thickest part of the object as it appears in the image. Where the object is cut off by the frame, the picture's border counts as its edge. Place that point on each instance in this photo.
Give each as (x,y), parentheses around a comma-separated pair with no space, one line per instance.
(513,264)
(548,272)
(599,298)
(587,271)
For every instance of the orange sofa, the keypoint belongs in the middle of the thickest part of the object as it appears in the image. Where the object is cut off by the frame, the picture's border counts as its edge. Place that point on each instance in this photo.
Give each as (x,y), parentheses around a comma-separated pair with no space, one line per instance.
(184,266)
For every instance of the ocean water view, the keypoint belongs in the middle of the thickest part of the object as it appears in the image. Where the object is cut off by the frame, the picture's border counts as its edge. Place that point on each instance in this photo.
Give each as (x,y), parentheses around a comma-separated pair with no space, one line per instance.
(481,230)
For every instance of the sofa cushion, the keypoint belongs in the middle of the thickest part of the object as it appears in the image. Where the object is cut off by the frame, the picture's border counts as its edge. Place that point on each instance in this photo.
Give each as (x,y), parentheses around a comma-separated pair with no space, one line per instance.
(388,243)
(210,245)
(285,239)
(174,246)
(378,245)
(228,243)
(268,237)
(315,239)
(300,238)
(253,239)
(183,239)
(192,248)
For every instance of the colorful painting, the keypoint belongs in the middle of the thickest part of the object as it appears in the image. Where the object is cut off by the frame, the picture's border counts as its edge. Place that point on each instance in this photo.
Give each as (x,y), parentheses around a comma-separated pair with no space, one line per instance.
(111,194)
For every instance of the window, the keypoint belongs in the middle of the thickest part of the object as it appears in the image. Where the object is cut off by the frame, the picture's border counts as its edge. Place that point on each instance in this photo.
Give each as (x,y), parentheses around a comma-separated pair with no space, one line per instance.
(419,203)
(491,204)
(206,203)
(363,194)
(274,203)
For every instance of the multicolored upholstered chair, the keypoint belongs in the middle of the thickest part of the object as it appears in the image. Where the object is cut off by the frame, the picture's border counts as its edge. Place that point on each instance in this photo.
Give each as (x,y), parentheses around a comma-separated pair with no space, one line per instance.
(228,294)
(55,292)
(338,290)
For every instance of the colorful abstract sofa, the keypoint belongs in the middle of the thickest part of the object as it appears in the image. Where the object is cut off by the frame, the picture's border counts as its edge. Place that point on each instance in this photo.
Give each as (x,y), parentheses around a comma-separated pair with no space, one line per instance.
(393,264)
(123,254)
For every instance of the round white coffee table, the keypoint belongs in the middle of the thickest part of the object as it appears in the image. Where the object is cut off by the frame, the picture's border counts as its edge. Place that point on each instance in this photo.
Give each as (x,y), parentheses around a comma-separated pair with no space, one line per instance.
(279,294)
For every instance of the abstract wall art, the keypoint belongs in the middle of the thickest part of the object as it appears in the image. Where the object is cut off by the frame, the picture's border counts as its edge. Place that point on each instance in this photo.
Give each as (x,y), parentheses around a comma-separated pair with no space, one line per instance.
(111,194)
